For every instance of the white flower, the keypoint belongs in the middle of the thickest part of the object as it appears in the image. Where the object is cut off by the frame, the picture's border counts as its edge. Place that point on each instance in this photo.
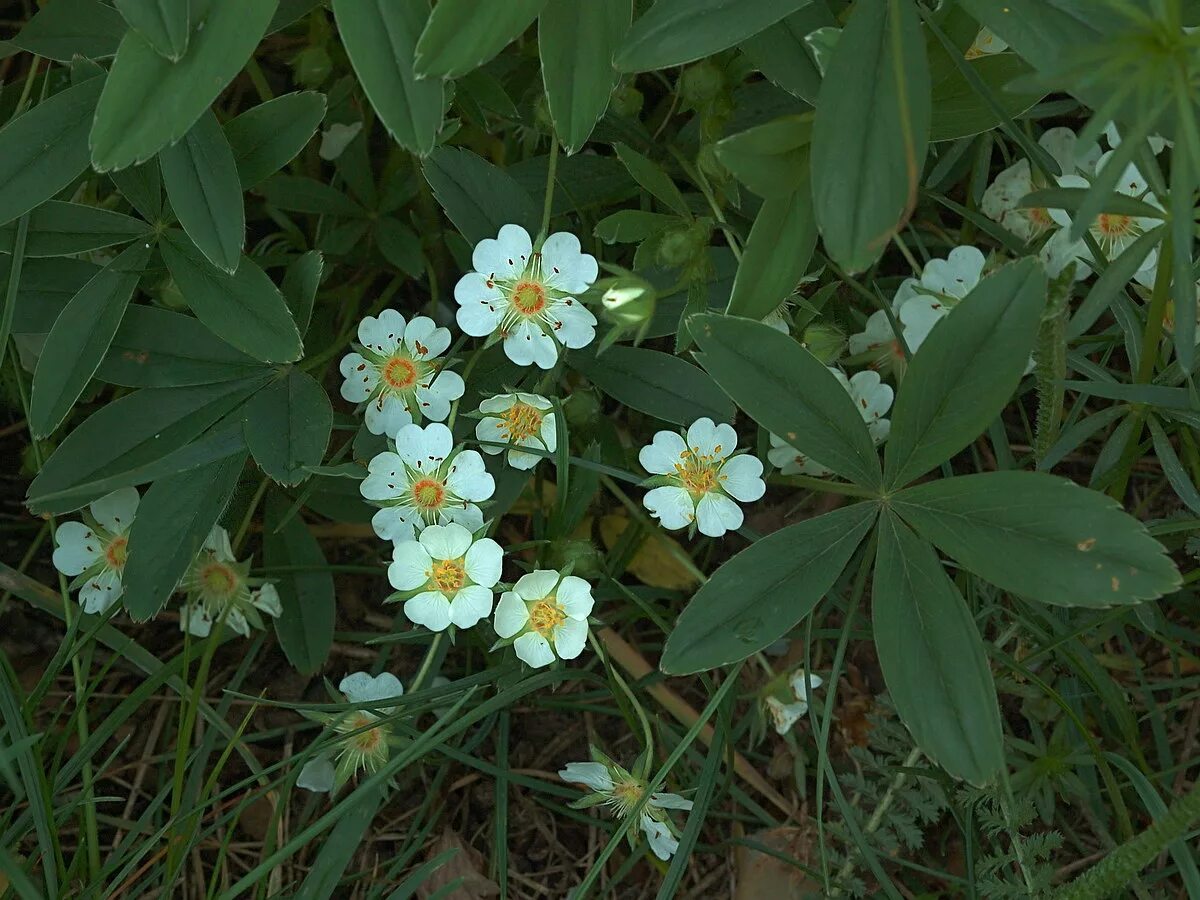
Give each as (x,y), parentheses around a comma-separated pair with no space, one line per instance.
(217,584)
(518,420)
(452,572)
(986,43)
(1114,232)
(394,371)
(547,613)
(365,747)
(872,398)
(424,482)
(620,791)
(1000,200)
(785,715)
(97,549)
(700,478)
(528,296)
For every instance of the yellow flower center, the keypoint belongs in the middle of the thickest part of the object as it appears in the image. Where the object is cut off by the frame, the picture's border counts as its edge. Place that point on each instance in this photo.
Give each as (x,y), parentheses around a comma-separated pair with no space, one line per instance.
(218,579)
(1114,225)
(399,373)
(117,552)
(697,473)
(428,493)
(528,297)
(546,615)
(521,421)
(365,741)
(447,575)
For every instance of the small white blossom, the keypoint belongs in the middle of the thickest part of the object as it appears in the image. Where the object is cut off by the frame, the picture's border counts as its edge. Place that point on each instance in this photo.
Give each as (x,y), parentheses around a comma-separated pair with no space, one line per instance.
(529,296)
(424,482)
(986,43)
(217,584)
(700,478)
(786,714)
(96,549)
(364,748)
(872,398)
(518,420)
(393,370)
(547,614)
(452,574)
(620,791)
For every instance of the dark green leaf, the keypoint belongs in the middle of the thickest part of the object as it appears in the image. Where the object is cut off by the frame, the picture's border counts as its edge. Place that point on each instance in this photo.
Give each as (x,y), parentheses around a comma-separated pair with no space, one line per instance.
(63,229)
(767,274)
(46,287)
(478,197)
(296,193)
(762,592)
(150,102)
(576,42)
(870,132)
(266,137)
(300,284)
(628,226)
(674,32)
(65,29)
(958,109)
(142,187)
(966,371)
(933,659)
(288,425)
(381,41)
(45,148)
(782,55)
(246,309)
(789,392)
(650,176)
(460,36)
(1181,483)
(1112,281)
(173,519)
(400,246)
(658,384)
(1070,199)
(306,594)
(1042,537)
(163,23)
(202,184)
(80,338)
(770,159)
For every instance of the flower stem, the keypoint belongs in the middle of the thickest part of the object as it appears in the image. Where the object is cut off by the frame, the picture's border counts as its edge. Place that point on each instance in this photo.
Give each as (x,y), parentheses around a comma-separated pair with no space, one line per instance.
(551,171)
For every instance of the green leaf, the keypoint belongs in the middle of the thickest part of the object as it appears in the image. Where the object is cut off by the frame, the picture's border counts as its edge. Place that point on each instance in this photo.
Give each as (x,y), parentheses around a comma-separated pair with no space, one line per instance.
(870,132)
(576,42)
(64,229)
(674,32)
(782,55)
(770,159)
(245,308)
(305,629)
(380,37)
(47,285)
(129,433)
(163,23)
(650,176)
(1177,476)
(460,36)
(1112,281)
(1045,31)
(288,425)
(172,521)
(300,283)
(159,348)
(933,658)
(150,102)
(296,193)
(400,246)
(80,338)
(789,392)
(267,137)
(958,109)
(478,197)
(202,184)
(1042,537)
(656,383)
(65,29)
(966,371)
(45,148)
(762,592)
(142,187)
(628,226)
(766,276)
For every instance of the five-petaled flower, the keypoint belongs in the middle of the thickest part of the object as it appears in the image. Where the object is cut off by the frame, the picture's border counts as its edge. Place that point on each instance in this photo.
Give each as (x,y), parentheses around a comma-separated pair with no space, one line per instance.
(364,745)
(217,586)
(394,369)
(788,705)
(423,481)
(448,575)
(700,478)
(530,296)
(97,548)
(547,614)
(513,421)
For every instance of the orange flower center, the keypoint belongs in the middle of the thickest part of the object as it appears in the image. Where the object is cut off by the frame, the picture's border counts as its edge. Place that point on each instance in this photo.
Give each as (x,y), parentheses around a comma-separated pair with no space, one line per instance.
(697,473)
(366,741)
(399,373)
(218,579)
(528,297)
(117,552)
(448,575)
(1040,217)
(428,493)
(1114,225)
(522,421)
(545,616)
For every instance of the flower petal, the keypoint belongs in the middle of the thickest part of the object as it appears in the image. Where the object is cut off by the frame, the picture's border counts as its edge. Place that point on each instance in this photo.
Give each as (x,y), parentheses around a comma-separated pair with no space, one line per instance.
(564,264)
(396,524)
(716,514)
(570,638)
(430,609)
(78,548)
(511,615)
(387,414)
(266,599)
(504,256)
(469,516)
(484,562)
(670,801)
(534,649)
(662,454)
(672,506)
(318,775)
(592,774)
(101,592)
(572,323)
(470,605)
(468,478)
(382,335)
(536,584)
(707,438)
(527,345)
(574,595)
(115,511)
(741,477)
(662,842)
(362,687)
(361,377)
(448,541)
(424,339)
(410,565)
(480,307)
(424,448)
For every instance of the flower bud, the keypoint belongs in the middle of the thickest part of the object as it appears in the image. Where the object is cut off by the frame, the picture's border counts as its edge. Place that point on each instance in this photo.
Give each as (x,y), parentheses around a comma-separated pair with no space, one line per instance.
(701,83)
(627,101)
(629,301)
(583,558)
